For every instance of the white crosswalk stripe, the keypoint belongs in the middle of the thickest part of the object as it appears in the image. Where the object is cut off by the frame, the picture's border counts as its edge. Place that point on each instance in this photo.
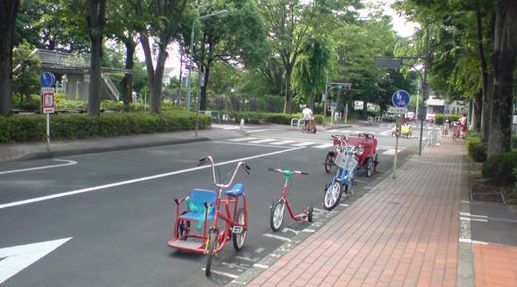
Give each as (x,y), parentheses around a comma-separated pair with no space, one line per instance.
(391,151)
(242,139)
(323,146)
(282,142)
(303,144)
(262,141)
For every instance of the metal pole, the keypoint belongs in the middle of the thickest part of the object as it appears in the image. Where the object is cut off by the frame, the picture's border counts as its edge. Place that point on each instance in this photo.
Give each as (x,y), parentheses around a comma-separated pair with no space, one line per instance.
(48,128)
(396,144)
(326,97)
(424,88)
(189,91)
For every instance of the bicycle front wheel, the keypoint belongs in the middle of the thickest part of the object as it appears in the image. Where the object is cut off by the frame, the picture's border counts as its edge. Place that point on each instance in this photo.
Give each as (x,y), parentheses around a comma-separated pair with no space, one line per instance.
(212,243)
(276,214)
(332,195)
(240,238)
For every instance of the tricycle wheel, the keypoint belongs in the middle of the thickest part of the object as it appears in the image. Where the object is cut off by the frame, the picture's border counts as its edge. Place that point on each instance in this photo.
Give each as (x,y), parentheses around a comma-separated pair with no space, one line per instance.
(276,214)
(240,238)
(375,162)
(310,211)
(212,243)
(332,195)
(329,161)
(370,166)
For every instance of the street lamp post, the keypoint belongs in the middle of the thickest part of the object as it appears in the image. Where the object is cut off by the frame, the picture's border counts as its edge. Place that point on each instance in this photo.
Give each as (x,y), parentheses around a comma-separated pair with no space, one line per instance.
(222,13)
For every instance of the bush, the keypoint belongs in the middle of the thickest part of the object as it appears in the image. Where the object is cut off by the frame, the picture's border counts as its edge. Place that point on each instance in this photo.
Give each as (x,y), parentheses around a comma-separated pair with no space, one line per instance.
(265,118)
(476,149)
(500,168)
(440,118)
(75,126)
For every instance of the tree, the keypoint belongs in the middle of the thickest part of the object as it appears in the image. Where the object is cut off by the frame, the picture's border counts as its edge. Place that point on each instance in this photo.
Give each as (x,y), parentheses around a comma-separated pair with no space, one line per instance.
(503,63)
(96,21)
(8,13)
(310,69)
(163,18)
(236,39)
(26,72)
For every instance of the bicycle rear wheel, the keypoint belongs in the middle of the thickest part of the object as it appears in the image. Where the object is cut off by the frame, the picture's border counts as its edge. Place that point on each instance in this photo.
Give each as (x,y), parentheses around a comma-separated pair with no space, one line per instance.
(240,238)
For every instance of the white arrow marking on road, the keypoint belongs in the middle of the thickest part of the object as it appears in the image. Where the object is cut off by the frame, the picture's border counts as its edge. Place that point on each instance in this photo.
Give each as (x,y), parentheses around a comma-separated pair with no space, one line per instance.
(68,162)
(19,257)
(141,179)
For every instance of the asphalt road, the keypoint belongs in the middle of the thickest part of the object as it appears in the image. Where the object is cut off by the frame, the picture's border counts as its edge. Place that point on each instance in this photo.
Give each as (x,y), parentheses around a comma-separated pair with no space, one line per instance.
(115,210)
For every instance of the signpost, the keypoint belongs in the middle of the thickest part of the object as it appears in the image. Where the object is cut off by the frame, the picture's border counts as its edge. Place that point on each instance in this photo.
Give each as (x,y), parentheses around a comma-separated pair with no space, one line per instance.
(400,100)
(47,80)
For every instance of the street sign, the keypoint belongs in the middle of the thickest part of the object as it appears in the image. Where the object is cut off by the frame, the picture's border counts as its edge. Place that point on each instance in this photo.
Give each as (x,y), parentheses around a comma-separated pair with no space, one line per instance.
(400,98)
(397,110)
(323,97)
(388,63)
(47,79)
(47,95)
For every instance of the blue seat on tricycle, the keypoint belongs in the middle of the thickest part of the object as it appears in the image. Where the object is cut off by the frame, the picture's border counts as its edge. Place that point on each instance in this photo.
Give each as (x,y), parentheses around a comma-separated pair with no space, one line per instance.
(196,204)
(236,190)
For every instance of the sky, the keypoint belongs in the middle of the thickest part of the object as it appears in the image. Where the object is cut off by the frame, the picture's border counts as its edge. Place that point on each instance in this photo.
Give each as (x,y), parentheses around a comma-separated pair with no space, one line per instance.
(401,25)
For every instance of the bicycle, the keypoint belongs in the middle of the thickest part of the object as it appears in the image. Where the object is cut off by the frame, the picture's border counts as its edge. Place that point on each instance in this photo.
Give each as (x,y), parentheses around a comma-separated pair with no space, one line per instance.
(277,208)
(346,161)
(309,127)
(203,207)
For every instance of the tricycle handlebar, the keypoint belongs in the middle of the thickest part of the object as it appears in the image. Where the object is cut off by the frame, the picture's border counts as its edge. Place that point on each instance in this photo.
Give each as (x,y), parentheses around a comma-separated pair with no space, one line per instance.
(213,164)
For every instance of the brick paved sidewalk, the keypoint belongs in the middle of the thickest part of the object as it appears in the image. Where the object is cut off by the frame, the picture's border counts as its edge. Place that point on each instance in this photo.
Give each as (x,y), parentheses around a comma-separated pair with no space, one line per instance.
(404,232)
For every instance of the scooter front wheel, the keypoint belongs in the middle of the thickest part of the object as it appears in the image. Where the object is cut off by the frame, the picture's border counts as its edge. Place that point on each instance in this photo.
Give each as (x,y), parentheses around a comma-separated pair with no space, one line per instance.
(276,214)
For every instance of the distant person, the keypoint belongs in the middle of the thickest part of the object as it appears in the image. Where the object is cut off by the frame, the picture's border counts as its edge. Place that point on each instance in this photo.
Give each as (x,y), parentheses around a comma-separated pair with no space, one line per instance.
(307,115)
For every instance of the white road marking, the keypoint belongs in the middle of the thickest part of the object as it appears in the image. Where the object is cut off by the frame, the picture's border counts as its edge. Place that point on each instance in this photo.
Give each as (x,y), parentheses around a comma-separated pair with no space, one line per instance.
(303,144)
(225,274)
(323,146)
(344,204)
(243,258)
(120,183)
(262,130)
(262,266)
(17,258)
(277,237)
(226,127)
(250,144)
(242,139)
(282,142)
(259,250)
(391,152)
(68,163)
(262,141)
(309,230)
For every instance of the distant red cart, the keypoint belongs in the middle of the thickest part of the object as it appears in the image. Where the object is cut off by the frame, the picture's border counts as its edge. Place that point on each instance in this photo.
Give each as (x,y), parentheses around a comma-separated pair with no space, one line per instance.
(367,144)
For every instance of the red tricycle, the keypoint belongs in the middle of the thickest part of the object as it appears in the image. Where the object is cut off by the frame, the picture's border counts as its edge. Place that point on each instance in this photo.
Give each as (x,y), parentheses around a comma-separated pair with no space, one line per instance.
(366,149)
(202,207)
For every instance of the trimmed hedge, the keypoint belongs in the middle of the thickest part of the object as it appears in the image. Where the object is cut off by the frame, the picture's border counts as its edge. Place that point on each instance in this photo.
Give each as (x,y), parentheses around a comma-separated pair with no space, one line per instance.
(265,118)
(440,118)
(500,168)
(77,126)
(476,149)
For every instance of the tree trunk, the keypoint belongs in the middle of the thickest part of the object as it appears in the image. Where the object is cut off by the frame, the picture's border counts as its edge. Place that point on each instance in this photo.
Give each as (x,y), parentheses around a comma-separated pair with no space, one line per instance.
(484,120)
(126,84)
(156,86)
(8,12)
(476,111)
(205,75)
(96,21)
(288,103)
(503,61)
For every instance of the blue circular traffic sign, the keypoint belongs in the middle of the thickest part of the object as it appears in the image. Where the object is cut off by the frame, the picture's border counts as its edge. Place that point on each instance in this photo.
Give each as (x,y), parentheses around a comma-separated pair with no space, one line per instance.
(47,79)
(400,99)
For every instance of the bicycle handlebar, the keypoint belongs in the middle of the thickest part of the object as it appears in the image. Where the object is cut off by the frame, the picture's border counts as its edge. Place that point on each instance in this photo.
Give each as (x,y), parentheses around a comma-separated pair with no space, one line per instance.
(213,164)
(283,171)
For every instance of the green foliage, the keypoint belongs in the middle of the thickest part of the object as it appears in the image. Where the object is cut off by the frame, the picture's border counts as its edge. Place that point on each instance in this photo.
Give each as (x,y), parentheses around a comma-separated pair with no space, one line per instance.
(476,149)
(514,141)
(29,103)
(27,71)
(440,118)
(76,126)
(501,168)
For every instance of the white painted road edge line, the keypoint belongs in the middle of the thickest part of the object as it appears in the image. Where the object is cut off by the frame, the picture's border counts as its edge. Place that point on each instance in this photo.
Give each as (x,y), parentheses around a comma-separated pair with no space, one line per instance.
(277,237)
(88,189)
(262,266)
(250,144)
(68,162)
(230,275)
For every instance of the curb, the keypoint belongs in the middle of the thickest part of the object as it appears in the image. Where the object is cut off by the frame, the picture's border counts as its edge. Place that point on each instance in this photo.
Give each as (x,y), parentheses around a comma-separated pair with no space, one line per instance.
(49,153)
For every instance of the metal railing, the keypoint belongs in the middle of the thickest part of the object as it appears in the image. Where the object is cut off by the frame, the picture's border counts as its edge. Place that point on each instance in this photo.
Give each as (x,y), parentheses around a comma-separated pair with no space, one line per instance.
(63,59)
(111,86)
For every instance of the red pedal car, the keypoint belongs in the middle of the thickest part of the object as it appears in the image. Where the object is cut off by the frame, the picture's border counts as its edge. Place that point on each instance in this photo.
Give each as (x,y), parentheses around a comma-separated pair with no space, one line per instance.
(368,158)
